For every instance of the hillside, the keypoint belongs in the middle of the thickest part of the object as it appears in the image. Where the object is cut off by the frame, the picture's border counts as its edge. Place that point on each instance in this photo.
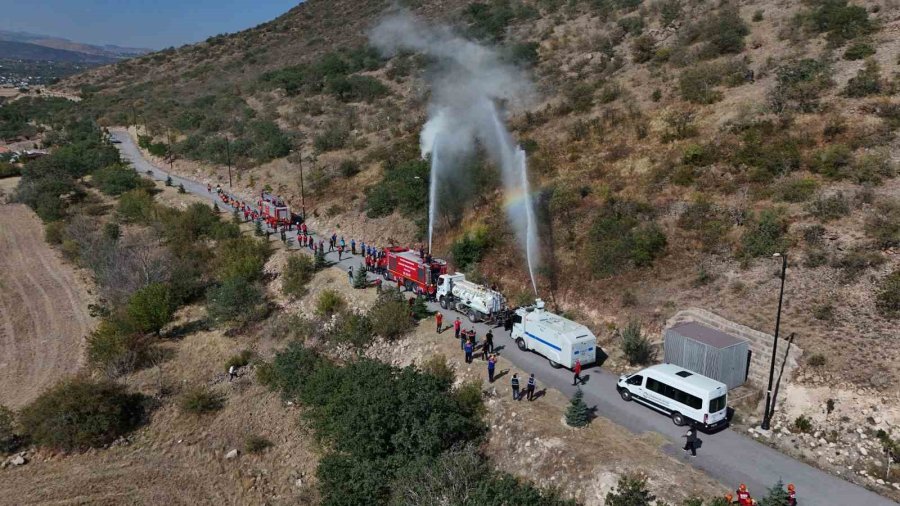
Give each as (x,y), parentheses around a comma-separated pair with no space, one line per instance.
(106,50)
(673,147)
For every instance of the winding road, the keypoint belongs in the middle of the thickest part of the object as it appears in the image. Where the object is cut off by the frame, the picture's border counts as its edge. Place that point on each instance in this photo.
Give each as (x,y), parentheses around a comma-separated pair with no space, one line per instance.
(727,456)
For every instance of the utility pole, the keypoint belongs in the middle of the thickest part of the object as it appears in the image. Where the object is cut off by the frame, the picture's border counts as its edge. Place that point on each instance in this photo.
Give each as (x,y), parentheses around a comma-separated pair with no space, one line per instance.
(171,153)
(228,159)
(767,416)
(302,193)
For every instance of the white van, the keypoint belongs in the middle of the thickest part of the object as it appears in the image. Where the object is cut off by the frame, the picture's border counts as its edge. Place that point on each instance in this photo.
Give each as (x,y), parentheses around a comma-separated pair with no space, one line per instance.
(684,395)
(559,339)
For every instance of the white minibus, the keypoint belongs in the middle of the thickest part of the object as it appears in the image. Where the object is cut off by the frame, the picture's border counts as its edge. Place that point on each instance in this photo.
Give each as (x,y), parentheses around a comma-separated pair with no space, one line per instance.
(686,396)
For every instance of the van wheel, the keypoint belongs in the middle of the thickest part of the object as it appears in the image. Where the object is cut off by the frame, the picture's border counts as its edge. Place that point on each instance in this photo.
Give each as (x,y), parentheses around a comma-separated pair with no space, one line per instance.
(678,419)
(626,395)
(521,344)
(443,302)
(554,364)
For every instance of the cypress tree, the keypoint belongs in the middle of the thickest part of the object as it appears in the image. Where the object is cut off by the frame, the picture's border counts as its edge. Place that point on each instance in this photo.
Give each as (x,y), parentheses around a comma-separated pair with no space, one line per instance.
(578,414)
(777,495)
(359,278)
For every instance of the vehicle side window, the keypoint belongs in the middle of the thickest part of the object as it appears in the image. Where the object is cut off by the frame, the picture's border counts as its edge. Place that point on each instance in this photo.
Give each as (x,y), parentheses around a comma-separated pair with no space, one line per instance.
(517,318)
(652,385)
(637,379)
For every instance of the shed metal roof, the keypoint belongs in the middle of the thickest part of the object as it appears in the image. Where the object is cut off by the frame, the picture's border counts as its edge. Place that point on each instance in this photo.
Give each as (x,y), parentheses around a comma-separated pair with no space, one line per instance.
(706,335)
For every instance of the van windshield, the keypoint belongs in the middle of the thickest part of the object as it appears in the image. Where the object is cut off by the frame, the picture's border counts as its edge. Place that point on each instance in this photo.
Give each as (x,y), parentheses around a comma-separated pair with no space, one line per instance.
(717,404)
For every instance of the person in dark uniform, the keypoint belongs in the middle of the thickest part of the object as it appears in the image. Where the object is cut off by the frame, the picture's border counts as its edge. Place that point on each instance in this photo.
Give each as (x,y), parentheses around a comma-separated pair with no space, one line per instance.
(488,346)
(690,443)
(515,386)
(529,389)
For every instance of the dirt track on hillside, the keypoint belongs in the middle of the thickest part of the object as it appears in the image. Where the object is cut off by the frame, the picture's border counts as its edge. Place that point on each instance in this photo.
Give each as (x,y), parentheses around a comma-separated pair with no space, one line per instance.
(43,310)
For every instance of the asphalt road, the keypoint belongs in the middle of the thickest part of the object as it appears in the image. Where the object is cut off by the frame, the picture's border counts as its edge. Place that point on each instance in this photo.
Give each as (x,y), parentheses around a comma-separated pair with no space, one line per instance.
(727,456)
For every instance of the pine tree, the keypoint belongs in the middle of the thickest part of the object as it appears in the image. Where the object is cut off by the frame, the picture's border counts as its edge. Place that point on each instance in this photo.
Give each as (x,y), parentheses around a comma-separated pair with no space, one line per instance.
(578,414)
(168,180)
(258,231)
(420,309)
(359,278)
(777,495)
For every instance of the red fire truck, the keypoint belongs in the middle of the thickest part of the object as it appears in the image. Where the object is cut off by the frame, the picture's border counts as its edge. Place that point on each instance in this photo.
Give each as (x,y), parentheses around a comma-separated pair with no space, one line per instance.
(274,210)
(412,270)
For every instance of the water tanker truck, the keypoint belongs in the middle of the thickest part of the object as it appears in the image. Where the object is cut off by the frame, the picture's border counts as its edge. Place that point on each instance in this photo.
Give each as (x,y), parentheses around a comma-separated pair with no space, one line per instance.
(559,339)
(476,301)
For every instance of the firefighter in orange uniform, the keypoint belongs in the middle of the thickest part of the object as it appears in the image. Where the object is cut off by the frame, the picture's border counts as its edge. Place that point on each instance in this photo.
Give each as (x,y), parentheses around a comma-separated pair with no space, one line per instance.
(743,496)
(792,495)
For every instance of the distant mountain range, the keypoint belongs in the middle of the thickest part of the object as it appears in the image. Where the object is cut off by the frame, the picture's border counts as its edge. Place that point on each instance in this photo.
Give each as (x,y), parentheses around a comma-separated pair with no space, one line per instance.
(29,46)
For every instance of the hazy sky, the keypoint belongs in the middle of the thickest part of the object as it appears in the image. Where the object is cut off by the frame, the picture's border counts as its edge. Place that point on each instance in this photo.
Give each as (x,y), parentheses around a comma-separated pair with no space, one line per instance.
(137,23)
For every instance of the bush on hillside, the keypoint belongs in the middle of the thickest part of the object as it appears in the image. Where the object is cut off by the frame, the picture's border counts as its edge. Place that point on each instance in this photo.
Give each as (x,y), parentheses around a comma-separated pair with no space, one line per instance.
(468,250)
(887,298)
(842,22)
(390,315)
(403,187)
(799,84)
(872,168)
(135,206)
(329,303)
(859,51)
(643,49)
(829,207)
(81,413)
(796,189)
(117,179)
(297,274)
(201,400)
(150,308)
(334,136)
(621,237)
(113,349)
(764,235)
(832,161)
(8,436)
(236,300)
(866,82)
(256,444)
(883,224)
(242,257)
(631,490)
(242,359)
(768,152)
(637,348)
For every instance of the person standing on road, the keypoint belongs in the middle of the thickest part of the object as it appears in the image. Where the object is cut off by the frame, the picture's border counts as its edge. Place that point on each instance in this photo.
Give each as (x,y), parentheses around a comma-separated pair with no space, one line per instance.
(352,246)
(492,364)
(792,495)
(530,387)
(350,274)
(508,324)
(439,320)
(468,347)
(690,443)
(488,343)
(456,327)
(577,370)
(515,386)
(340,250)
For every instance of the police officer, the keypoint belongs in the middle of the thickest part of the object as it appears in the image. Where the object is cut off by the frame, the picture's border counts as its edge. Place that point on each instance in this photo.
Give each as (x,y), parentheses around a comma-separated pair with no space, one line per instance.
(515,386)
(530,387)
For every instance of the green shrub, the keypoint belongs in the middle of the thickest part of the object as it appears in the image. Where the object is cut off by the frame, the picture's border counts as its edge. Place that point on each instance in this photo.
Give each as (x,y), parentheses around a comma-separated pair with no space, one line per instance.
(643,49)
(8,436)
(242,359)
(830,207)
(803,424)
(353,329)
(859,51)
(242,258)
(856,261)
(764,235)
(799,83)
(631,490)
(291,368)
(723,32)
(135,206)
(488,20)
(524,53)
(54,232)
(404,186)
(840,21)
(832,161)
(329,303)
(670,11)
(349,167)
(883,224)
(824,312)
(200,400)
(757,15)
(470,398)
(866,82)
(256,444)
(390,315)
(468,250)
(679,125)
(798,189)
(333,136)
(872,168)
(116,179)
(698,84)
(619,239)
(816,360)
(236,300)
(436,365)
(637,348)
(150,308)
(113,349)
(81,413)
(357,88)
(887,298)
(9,170)
(633,25)
(297,274)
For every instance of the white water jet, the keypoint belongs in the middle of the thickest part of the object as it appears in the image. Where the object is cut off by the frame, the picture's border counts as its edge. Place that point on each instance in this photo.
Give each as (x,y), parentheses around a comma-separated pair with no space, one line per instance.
(432,191)
(514,164)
